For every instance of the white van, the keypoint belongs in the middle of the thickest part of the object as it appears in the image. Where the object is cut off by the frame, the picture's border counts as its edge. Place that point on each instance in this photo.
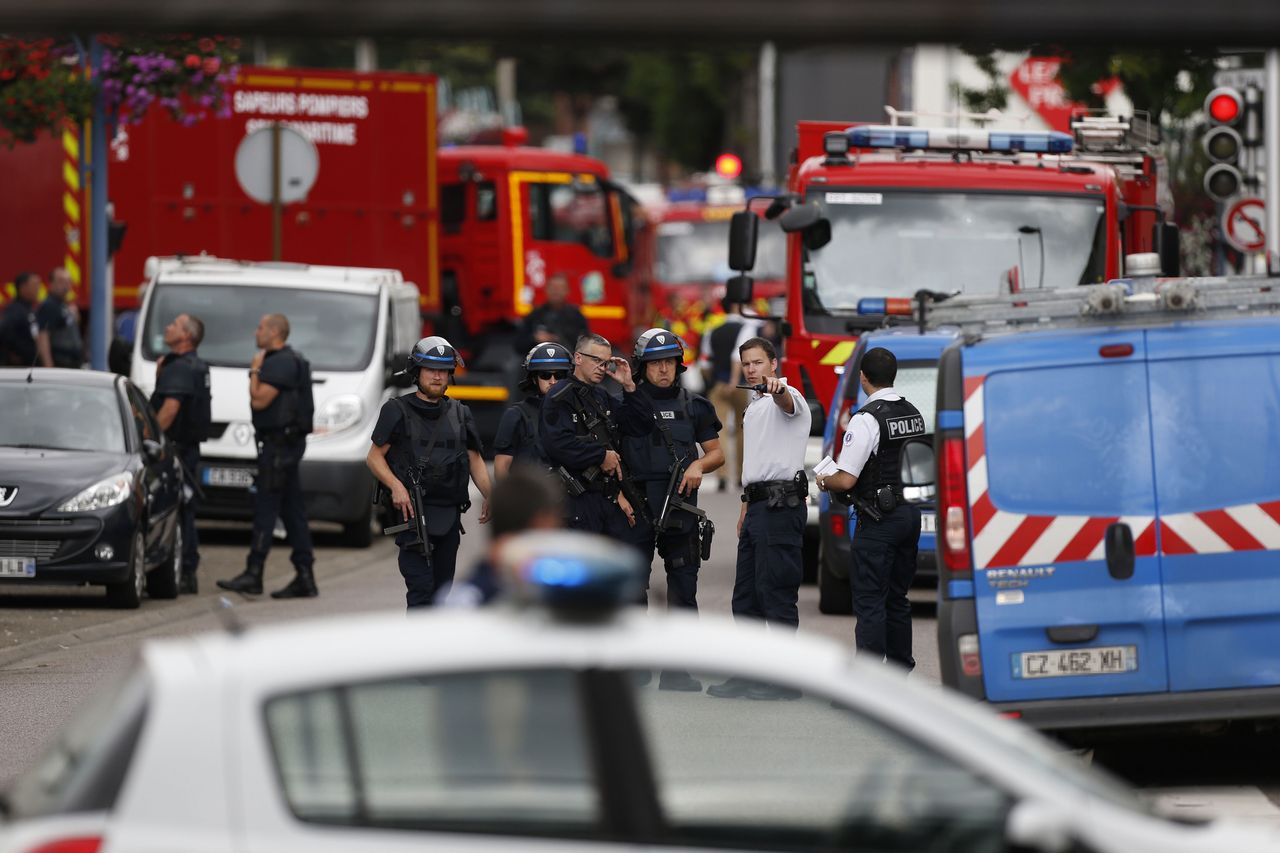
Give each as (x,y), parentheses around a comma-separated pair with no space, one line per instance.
(356,326)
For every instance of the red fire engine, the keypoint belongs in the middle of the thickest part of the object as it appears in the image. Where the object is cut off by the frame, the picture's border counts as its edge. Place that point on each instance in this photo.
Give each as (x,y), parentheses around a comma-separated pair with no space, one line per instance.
(876,213)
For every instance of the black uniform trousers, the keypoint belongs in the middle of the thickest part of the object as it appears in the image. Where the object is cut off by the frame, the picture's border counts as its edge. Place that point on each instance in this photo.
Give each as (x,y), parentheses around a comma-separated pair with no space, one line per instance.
(884,563)
(278,494)
(592,512)
(424,577)
(189,454)
(679,549)
(770,564)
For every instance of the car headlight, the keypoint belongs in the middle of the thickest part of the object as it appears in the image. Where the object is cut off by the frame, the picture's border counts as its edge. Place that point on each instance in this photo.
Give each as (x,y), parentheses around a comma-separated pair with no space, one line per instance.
(338,413)
(109,492)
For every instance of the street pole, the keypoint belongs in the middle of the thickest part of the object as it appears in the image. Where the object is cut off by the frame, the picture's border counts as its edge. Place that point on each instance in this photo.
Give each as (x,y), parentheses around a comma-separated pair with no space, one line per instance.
(768,110)
(1271,149)
(100,297)
(277,206)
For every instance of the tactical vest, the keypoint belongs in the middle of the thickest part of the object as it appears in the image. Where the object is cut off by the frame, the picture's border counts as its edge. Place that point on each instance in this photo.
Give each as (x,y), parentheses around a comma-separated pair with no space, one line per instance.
(65,342)
(648,457)
(529,449)
(195,418)
(433,451)
(899,422)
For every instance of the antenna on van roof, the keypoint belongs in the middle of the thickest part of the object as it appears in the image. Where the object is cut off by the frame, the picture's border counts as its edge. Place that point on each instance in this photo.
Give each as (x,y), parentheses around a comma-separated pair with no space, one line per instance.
(1121,302)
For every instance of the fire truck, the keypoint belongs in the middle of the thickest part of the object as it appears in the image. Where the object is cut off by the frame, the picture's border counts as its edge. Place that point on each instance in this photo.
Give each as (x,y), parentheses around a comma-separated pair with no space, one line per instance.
(876,213)
(689,269)
(478,229)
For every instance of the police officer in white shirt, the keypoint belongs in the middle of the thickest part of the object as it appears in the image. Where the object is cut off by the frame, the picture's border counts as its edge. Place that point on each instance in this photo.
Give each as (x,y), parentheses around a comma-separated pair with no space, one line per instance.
(771,523)
(887,535)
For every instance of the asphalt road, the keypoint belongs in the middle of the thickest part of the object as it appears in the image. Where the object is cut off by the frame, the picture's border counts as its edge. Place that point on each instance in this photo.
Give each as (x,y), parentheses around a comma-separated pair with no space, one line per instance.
(57,645)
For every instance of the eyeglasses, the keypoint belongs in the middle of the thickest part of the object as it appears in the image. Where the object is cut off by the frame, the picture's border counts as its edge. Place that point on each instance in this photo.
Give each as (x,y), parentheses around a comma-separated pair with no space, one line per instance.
(552,375)
(597,359)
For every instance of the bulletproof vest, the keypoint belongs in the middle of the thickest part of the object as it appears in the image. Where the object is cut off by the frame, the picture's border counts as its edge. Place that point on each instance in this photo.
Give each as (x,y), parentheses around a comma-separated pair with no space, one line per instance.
(434,452)
(65,342)
(529,451)
(588,407)
(723,339)
(899,422)
(195,418)
(647,456)
(275,417)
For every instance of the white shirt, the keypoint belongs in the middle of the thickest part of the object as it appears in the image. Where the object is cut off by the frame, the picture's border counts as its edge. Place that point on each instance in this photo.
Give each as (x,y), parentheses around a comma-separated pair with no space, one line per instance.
(862,437)
(774,440)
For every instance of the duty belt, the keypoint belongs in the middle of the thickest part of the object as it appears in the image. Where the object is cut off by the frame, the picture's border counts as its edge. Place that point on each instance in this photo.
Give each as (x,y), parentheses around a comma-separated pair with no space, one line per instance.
(762,491)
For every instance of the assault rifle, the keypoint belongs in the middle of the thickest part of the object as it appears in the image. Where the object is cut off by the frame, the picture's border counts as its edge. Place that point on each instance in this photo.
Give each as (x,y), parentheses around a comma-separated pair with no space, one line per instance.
(600,431)
(675,502)
(418,524)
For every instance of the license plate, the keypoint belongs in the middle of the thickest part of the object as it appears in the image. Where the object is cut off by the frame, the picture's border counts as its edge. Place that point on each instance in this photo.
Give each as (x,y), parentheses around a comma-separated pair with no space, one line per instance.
(17,567)
(235,478)
(1053,663)
(928,522)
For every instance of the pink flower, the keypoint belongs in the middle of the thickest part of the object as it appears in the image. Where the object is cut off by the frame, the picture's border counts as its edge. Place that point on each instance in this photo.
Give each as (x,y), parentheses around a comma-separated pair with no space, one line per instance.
(211,65)
(192,61)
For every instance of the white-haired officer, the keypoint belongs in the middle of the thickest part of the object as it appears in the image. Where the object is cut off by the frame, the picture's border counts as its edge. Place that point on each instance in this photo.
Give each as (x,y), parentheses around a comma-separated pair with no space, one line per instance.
(428,443)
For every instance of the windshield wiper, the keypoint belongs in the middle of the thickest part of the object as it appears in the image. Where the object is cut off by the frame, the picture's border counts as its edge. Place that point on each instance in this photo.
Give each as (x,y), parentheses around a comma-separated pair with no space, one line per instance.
(35,446)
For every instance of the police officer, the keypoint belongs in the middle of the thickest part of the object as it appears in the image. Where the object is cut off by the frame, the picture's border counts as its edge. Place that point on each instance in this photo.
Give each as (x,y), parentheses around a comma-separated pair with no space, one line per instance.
(518,441)
(18,324)
(58,338)
(183,409)
(427,442)
(578,419)
(280,398)
(683,422)
(887,535)
(771,523)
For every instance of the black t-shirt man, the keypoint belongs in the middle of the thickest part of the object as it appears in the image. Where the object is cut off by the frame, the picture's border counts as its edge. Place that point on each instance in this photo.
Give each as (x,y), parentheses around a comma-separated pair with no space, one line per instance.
(179,377)
(58,318)
(391,428)
(281,370)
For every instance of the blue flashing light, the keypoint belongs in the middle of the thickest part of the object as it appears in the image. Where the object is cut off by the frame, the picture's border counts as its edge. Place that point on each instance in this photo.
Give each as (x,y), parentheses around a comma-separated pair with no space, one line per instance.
(872,305)
(888,137)
(559,572)
(1033,142)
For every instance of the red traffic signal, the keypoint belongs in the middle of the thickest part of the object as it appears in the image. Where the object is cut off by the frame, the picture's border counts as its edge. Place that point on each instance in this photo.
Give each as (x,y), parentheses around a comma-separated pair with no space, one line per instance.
(1224,105)
(728,165)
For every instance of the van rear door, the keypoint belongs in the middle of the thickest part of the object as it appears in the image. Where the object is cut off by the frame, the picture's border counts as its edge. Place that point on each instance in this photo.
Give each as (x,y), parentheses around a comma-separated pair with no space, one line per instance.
(1215,403)
(1058,438)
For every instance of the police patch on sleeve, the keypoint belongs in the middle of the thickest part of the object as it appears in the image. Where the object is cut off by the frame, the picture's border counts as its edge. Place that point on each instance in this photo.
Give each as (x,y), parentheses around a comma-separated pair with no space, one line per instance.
(907,426)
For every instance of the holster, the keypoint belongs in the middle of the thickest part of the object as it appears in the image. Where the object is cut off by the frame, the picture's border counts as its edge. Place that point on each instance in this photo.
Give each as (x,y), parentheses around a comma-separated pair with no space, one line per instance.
(706,532)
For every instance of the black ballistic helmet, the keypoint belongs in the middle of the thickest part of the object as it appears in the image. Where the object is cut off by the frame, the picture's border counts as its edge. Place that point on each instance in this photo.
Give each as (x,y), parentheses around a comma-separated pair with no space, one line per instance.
(657,344)
(546,357)
(435,352)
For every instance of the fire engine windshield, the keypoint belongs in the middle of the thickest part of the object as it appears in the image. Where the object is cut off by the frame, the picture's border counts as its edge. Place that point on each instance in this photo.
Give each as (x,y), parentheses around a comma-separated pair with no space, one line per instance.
(694,252)
(895,243)
(334,330)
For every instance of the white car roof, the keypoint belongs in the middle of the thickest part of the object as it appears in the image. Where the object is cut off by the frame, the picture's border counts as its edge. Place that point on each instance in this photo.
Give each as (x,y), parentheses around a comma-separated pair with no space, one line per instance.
(205,269)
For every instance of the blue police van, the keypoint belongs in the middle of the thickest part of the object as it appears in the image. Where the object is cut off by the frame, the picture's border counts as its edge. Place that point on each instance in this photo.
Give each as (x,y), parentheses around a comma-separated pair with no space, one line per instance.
(1109,503)
(917,353)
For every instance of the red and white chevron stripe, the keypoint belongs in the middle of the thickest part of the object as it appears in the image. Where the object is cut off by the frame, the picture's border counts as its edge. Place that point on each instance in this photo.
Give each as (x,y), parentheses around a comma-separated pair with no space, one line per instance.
(1003,539)
(1247,527)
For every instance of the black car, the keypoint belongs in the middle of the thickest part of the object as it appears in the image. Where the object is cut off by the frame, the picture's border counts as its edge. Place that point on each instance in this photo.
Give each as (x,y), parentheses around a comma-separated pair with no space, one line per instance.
(89,487)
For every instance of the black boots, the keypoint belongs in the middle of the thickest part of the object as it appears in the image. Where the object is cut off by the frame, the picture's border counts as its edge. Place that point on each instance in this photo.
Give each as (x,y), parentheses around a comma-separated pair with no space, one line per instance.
(249,581)
(303,585)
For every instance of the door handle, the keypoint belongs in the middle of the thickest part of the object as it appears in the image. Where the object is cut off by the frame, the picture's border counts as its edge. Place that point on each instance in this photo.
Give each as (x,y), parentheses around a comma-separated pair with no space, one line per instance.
(1072,633)
(1120,551)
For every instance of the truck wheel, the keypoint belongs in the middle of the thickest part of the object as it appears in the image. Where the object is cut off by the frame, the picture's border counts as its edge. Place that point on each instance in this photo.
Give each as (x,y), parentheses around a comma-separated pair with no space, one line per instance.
(835,597)
(359,533)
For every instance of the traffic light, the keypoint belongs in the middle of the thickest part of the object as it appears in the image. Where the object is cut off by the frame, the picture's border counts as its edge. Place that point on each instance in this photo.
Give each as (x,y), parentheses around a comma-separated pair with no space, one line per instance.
(1225,108)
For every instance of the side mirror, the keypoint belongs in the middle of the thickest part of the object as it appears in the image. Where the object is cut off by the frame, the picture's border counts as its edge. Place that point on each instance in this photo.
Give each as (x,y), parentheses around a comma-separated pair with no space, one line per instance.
(818,235)
(801,217)
(396,377)
(1166,238)
(1034,825)
(743,230)
(818,424)
(738,290)
(918,464)
(152,449)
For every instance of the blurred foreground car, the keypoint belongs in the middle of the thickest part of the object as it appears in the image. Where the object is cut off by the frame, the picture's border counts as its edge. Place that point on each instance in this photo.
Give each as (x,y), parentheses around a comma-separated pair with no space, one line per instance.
(89,487)
(542,728)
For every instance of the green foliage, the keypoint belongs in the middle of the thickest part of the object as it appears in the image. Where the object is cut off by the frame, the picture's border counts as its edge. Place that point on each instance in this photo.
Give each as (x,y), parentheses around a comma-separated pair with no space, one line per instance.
(995,96)
(1168,82)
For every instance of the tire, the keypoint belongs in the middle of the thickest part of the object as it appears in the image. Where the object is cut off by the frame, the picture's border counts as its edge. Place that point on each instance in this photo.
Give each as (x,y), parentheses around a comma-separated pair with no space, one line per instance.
(835,597)
(162,582)
(127,595)
(359,533)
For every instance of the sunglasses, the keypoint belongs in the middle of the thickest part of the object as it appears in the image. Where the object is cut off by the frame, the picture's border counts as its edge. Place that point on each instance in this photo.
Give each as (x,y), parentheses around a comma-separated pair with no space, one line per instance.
(553,375)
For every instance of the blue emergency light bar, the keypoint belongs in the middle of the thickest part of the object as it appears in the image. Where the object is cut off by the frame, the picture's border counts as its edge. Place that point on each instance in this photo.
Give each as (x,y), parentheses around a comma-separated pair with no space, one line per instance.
(960,139)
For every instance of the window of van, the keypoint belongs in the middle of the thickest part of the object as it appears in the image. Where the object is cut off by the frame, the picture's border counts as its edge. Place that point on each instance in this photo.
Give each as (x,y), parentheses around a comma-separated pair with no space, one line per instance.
(1069,440)
(333,330)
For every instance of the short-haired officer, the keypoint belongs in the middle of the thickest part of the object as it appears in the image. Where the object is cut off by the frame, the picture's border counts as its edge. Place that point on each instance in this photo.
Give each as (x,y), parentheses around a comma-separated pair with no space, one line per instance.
(427,439)
(683,423)
(775,431)
(884,548)
(519,441)
(183,406)
(279,389)
(582,427)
